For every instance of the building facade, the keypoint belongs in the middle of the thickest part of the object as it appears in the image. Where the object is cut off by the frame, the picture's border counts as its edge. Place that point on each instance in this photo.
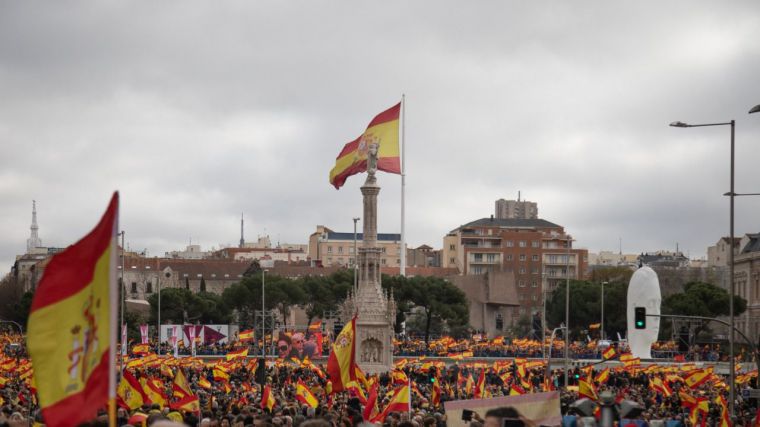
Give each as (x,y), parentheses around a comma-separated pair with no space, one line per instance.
(717,255)
(329,248)
(747,284)
(513,209)
(538,253)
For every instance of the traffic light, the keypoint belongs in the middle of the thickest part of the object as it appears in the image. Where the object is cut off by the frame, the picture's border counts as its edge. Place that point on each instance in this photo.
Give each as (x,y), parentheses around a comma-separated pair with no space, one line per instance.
(640,317)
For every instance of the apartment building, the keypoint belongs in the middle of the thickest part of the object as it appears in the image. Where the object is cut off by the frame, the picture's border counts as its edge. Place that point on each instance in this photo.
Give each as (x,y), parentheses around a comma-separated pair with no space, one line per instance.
(330,248)
(511,209)
(539,254)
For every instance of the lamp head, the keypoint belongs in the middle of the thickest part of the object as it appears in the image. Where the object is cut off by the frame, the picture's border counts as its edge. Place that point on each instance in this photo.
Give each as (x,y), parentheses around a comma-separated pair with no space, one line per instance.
(755,109)
(679,125)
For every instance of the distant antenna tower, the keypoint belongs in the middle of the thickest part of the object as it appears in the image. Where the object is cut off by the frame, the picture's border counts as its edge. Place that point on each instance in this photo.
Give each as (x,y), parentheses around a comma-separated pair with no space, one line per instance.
(242,239)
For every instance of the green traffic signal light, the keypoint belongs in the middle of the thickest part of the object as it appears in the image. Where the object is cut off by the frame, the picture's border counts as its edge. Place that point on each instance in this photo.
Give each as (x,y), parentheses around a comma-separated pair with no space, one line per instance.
(640,317)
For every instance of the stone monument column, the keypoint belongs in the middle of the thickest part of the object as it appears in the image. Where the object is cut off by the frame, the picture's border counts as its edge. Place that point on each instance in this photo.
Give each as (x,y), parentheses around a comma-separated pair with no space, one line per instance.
(375,310)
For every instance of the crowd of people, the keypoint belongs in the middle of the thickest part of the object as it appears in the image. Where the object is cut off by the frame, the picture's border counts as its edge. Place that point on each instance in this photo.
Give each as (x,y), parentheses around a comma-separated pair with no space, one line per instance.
(229,393)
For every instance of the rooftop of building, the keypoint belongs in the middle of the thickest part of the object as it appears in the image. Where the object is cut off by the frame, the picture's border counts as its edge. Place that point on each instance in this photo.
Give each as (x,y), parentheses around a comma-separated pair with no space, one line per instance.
(753,245)
(509,223)
(381,237)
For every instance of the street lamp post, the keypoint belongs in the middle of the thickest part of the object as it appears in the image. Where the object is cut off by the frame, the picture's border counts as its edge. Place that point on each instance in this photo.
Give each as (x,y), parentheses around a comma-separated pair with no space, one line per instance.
(732,193)
(263,321)
(567,309)
(601,327)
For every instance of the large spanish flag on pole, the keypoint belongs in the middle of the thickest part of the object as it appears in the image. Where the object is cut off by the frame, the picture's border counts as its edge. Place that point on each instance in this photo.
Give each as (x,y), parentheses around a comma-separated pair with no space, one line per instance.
(383,130)
(72,327)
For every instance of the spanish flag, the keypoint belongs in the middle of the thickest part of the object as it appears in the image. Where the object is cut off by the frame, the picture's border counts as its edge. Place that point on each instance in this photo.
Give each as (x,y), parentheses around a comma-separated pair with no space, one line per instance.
(304,395)
(586,389)
(246,336)
(130,393)
(609,353)
(341,364)
(382,130)
(315,326)
(237,354)
(72,326)
(180,386)
(399,402)
(267,399)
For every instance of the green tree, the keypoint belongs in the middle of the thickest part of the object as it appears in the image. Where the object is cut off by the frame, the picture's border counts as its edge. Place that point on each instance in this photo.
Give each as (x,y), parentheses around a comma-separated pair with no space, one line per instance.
(187,283)
(702,299)
(203,284)
(14,302)
(245,296)
(325,293)
(434,298)
(183,306)
(585,306)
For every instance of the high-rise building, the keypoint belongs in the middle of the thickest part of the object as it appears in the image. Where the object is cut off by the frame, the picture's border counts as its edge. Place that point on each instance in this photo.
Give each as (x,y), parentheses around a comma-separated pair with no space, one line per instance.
(512,209)
(539,254)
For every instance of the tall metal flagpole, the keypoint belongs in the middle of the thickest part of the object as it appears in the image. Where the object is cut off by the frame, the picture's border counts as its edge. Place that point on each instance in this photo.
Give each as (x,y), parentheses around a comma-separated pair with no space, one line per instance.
(402,259)
(113,295)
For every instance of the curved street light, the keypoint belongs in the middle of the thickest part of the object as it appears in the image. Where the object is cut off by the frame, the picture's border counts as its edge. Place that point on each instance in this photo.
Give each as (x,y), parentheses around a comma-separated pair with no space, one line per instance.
(731,194)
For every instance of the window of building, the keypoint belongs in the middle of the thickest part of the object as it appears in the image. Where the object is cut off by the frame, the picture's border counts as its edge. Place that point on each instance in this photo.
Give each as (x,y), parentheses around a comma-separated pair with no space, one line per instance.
(521,283)
(340,249)
(535,297)
(491,257)
(452,260)
(509,243)
(477,270)
(535,243)
(522,257)
(523,243)
(509,257)
(534,284)
(477,257)
(329,259)
(148,288)
(383,249)
(534,270)
(329,249)
(382,261)
(499,322)
(351,250)
(534,257)
(452,247)
(134,287)
(522,270)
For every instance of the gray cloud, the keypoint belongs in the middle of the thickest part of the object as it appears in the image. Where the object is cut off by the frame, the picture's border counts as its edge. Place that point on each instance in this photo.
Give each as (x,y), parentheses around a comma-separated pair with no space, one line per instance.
(197,112)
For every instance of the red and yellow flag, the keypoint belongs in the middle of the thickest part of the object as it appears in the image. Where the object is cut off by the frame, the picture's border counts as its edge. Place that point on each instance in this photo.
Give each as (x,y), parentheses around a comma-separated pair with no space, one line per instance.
(399,402)
(305,396)
(130,393)
(697,377)
(72,324)
(237,354)
(609,353)
(154,390)
(382,130)
(341,365)
(180,386)
(267,399)
(586,389)
(246,336)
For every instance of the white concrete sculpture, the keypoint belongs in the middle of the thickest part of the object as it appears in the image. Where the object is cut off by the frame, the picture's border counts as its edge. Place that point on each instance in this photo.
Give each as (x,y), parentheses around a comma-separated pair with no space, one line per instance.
(643,291)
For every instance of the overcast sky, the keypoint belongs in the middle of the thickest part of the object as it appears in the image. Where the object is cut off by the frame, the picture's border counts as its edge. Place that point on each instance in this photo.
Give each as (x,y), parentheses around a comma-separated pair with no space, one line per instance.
(198,111)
